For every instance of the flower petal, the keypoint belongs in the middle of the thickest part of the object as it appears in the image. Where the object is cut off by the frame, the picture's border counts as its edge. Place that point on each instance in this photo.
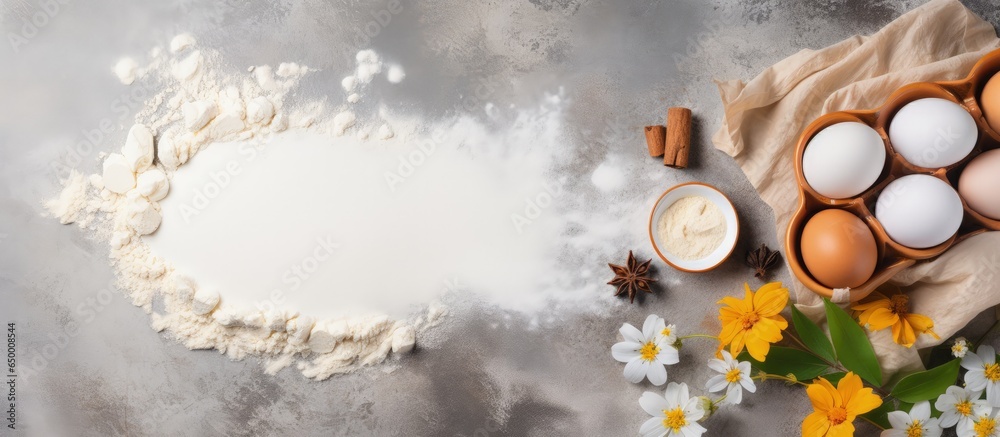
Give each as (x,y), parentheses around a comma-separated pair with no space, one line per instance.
(987,353)
(821,394)
(657,374)
(748,384)
(903,333)
(899,419)
(767,330)
(862,402)
(668,355)
(770,299)
(920,323)
(652,427)
(972,362)
(877,300)
(671,394)
(716,383)
(932,428)
(949,418)
(881,318)
(921,411)
(815,425)
(975,379)
(735,394)
(649,326)
(636,370)
(693,429)
(848,386)
(682,394)
(630,333)
(625,351)
(693,410)
(718,365)
(845,429)
(757,347)
(993,393)
(653,404)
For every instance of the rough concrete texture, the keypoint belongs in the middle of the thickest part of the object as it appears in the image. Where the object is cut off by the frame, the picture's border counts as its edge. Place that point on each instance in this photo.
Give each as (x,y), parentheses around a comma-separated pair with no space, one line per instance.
(484,372)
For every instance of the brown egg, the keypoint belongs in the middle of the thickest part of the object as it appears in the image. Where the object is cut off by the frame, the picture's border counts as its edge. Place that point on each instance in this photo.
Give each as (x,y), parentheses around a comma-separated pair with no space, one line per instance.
(838,249)
(989,101)
(978,184)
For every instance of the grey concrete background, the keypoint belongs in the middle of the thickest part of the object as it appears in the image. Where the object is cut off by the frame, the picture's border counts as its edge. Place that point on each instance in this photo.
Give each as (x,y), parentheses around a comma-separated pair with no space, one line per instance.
(100,370)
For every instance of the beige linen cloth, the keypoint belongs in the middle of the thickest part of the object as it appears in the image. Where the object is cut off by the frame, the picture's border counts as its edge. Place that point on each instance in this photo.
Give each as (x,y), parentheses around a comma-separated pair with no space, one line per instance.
(940,40)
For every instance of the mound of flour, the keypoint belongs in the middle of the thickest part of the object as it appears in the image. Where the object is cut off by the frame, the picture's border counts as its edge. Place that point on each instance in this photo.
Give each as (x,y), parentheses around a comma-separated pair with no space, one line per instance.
(454,198)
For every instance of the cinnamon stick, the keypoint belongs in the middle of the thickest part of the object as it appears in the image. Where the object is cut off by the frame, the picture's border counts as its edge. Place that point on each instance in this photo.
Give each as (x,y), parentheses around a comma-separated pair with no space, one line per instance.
(678,137)
(656,140)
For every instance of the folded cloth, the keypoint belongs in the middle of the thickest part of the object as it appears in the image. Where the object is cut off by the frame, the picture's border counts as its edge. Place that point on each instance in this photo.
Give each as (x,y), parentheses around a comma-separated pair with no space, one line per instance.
(940,40)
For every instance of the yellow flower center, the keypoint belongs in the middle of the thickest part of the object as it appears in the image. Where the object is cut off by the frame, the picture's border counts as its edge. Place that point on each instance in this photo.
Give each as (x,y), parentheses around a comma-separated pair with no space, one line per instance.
(984,427)
(964,408)
(734,375)
(675,419)
(915,429)
(899,304)
(836,415)
(992,372)
(666,332)
(749,319)
(649,351)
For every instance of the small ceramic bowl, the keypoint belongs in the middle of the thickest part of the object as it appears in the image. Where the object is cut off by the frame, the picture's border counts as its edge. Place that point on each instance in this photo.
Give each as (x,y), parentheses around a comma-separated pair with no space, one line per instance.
(720,200)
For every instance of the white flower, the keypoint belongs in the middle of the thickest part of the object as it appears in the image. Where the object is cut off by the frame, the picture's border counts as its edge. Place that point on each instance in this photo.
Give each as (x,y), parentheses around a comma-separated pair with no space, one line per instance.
(960,348)
(735,376)
(983,373)
(646,353)
(917,423)
(959,406)
(675,414)
(985,425)
(668,332)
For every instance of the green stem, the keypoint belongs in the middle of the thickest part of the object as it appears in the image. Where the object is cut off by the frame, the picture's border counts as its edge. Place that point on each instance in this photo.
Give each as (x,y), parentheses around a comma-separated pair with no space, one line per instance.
(719,400)
(795,381)
(781,377)
(835,366)
(698,336)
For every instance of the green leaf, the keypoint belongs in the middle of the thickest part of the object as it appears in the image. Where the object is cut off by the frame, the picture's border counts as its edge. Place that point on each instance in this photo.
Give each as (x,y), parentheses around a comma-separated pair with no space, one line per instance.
(927,385)
(785,360)
(813,337)
(835,377)
(852,345)
(880,415)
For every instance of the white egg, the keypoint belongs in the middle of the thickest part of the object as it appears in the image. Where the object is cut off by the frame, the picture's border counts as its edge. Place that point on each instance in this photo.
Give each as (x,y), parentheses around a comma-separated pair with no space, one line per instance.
(933,132)
(919,211)
(843,159)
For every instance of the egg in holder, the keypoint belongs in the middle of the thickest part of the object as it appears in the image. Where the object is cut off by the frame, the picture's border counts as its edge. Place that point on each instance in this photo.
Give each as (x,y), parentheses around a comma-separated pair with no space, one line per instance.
(883,189)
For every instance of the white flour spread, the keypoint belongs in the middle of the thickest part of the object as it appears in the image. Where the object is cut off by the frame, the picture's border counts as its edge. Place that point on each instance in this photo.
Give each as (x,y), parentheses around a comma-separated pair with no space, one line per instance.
(308,236)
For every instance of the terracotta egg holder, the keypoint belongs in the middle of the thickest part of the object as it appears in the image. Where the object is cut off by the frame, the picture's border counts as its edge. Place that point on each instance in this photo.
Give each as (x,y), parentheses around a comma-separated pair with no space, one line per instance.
(894,257)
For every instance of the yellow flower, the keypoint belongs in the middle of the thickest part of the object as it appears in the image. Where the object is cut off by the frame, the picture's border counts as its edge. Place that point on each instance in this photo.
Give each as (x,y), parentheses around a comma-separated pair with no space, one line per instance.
(879,312)
(834,409)
(755,321)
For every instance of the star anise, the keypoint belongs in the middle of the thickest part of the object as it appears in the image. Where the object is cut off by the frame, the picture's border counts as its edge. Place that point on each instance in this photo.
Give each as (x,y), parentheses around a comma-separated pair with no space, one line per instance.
(631,278)
(762,260)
